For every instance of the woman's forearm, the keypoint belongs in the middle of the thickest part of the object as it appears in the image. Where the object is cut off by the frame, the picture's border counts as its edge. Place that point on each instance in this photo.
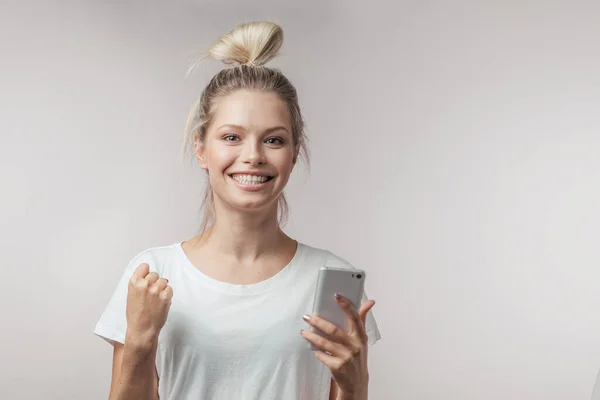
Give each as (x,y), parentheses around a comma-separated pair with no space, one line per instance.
(137,380)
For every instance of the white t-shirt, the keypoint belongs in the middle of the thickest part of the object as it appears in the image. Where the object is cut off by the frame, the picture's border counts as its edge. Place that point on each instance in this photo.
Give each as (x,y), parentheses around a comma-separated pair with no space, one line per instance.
(224,341)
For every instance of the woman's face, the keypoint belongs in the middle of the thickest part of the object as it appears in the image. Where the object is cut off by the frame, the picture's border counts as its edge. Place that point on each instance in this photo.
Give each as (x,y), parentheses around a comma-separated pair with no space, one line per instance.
(248,150)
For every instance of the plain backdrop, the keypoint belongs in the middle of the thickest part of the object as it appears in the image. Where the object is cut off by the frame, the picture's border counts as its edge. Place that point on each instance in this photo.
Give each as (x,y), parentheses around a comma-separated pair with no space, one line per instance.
(455,156)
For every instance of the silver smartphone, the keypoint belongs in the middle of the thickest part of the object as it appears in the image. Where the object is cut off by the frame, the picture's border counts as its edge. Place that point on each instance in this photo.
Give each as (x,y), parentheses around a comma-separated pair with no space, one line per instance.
(347,282)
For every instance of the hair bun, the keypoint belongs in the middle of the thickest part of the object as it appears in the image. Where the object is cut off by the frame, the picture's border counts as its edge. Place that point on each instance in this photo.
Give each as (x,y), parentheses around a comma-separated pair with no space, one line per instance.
(253,43)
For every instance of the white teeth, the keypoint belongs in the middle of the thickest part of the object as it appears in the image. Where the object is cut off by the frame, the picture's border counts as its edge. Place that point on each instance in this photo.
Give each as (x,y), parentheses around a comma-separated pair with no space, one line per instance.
(250,179)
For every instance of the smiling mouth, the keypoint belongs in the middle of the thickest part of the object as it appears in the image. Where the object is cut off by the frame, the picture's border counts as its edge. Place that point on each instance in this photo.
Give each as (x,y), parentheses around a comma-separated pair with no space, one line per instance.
(251,179)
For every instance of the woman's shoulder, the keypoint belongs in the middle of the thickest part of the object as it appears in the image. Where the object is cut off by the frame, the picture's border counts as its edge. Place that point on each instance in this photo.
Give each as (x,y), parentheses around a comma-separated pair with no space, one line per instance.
(156,256)
(325,257)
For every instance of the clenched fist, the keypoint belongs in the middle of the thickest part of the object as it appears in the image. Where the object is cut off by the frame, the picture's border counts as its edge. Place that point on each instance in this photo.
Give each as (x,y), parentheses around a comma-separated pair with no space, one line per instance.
(148,302)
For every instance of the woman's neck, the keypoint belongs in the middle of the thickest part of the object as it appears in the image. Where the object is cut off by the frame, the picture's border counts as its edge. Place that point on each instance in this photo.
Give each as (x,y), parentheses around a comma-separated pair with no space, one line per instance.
(244,236)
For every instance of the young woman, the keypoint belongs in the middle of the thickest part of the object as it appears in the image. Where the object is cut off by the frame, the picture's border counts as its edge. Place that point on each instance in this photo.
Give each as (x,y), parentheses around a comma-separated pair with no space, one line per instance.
(224,315)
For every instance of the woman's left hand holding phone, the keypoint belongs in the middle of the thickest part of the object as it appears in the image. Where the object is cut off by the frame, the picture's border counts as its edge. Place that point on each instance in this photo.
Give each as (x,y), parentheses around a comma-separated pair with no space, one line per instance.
(346,353)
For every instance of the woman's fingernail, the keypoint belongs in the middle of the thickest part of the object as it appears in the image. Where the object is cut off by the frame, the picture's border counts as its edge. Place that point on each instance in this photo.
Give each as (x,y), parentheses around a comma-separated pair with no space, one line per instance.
(306,317)
(337,296)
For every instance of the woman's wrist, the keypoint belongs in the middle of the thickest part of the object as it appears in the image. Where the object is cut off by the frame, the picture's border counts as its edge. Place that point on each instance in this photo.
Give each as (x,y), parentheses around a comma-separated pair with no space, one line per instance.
(359,395)
(141,341)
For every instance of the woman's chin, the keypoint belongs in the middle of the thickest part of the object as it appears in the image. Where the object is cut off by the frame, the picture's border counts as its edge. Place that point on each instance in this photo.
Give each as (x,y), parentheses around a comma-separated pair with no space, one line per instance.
(250,202)
(254,205)
(266,206)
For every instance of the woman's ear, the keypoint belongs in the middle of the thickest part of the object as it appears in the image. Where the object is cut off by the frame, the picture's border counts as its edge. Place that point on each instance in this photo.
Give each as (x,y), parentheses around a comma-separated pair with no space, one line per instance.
(296,152)
(200,153)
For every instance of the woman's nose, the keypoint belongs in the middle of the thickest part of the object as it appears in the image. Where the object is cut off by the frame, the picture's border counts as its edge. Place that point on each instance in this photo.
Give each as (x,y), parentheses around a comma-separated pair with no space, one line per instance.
(253,154)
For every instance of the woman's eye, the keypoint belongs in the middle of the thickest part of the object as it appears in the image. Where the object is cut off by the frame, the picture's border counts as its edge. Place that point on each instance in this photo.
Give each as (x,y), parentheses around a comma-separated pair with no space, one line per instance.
(230,138)
(274,140)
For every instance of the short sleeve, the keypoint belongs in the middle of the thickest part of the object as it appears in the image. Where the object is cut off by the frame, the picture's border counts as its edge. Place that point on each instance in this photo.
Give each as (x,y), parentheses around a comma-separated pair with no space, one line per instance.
(596,391)
(371,326)
(112,324)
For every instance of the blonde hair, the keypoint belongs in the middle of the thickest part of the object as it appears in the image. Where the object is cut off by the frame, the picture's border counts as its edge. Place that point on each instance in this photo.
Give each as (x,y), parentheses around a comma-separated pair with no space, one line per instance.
(248,47)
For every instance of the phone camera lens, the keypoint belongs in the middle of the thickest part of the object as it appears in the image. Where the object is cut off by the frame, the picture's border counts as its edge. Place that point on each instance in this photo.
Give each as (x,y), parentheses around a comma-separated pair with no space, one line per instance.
(359,276)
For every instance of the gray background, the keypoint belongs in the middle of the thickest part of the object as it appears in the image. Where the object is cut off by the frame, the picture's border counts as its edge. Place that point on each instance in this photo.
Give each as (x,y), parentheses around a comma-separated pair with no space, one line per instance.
(455,151)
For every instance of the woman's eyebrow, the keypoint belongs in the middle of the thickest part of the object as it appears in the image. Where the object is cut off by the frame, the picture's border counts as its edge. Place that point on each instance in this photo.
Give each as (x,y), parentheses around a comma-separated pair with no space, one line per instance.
(273,129)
